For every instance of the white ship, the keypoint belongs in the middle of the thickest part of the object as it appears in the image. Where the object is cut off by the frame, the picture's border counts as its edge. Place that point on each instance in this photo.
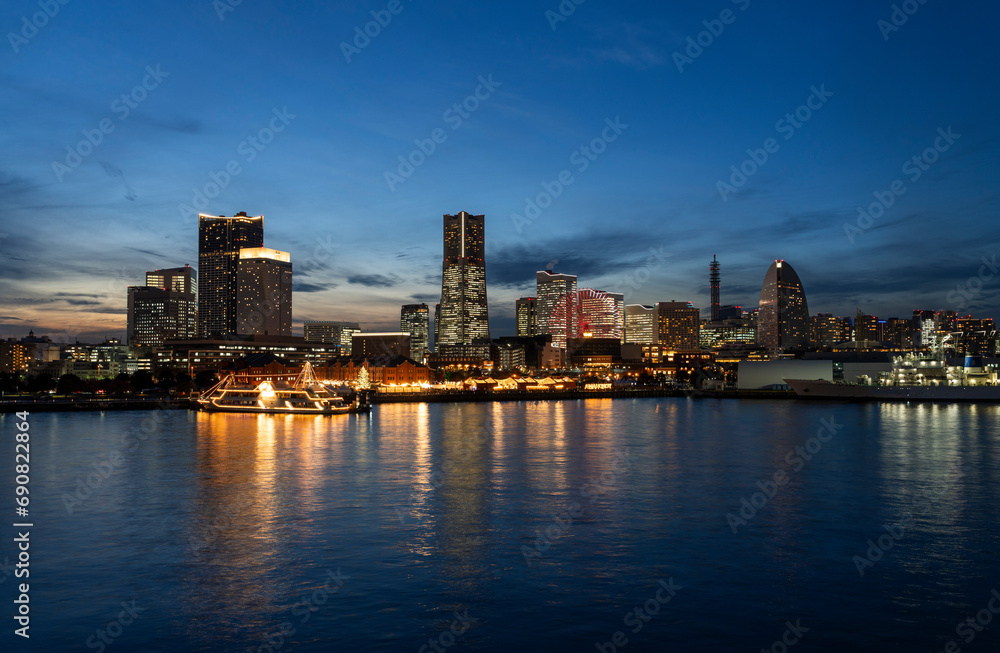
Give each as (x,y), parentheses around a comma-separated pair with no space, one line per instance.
(306,395)
(913,378)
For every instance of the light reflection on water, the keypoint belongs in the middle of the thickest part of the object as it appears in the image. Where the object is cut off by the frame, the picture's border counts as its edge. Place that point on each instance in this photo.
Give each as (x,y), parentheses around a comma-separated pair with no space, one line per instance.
(222,524)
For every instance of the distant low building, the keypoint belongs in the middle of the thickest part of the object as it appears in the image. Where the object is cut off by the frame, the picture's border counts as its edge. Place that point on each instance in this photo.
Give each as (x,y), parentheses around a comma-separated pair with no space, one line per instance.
(265,366)
(333,333)
(656,359)
(767,375)
(510,356)
(379,344)
(213,355)
(715,335)
(507,350)
(383,369)
(593,353)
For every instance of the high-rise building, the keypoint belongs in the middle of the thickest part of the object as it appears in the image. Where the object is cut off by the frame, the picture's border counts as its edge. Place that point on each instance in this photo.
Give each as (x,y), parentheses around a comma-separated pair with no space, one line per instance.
(264,292)
(868,328)
(899,332)
(334,333)
(166,308)
(975,337)
(183,280)
(827,330)
(678,324)
(14,358)
(437,323)
(415,320)
(553,289)
(220,240)
(641,325)
(526,312)
(619,299)
(464,313)
(946,320)
(783,324)
(713,282)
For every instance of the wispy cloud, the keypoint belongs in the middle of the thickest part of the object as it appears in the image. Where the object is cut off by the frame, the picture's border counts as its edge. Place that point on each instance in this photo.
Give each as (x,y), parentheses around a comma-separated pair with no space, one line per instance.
(373,280)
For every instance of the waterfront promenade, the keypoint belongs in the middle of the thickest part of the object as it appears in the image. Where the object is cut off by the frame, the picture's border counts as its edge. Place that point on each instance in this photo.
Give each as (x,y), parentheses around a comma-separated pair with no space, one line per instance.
(36,405)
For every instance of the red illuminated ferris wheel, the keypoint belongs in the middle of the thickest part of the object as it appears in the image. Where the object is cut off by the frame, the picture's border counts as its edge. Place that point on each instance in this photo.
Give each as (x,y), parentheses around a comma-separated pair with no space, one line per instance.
(587,313)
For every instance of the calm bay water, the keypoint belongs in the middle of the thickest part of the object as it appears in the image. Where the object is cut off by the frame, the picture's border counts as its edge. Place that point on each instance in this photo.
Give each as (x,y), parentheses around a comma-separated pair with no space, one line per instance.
(541,525)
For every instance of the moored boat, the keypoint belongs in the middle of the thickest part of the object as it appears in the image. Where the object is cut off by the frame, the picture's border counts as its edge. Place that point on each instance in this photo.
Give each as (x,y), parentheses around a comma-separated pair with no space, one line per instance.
(913,378)
(822,389)
(306,395)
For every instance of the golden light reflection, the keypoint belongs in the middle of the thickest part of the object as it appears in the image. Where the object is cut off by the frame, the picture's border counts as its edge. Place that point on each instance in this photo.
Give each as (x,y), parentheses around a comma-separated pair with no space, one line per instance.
(258,493)
(463,526)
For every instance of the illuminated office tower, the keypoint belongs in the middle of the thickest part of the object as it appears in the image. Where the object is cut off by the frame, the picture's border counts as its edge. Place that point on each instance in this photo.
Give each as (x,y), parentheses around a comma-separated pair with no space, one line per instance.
(899,331)
(220,240)
(526,312)
(464,314)
(827,330)
(553,289)
(783,323)
(166,308)
(641,325)
(264,292)
(415,320)
(678,325)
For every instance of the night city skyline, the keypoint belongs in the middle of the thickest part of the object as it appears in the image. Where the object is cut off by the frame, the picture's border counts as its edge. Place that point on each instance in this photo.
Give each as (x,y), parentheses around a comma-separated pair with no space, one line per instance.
(642,140)
(558,325)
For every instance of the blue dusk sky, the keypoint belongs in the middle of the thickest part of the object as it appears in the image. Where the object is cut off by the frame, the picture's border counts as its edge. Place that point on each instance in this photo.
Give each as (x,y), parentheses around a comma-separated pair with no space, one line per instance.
(625,142)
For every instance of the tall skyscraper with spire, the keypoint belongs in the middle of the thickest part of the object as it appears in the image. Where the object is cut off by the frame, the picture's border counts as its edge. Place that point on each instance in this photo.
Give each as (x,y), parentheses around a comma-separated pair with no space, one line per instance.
(713,282)
(220,240)
(464,314)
